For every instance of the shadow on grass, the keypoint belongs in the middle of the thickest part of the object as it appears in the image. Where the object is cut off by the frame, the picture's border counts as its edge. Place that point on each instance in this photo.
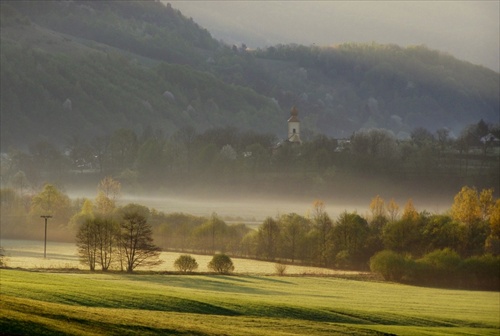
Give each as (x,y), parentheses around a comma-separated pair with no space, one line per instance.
(214,283)
(14,327)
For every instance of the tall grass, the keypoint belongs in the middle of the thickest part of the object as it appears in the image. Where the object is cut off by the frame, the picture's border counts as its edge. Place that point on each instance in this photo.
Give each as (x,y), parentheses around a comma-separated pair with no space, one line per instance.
(121,304)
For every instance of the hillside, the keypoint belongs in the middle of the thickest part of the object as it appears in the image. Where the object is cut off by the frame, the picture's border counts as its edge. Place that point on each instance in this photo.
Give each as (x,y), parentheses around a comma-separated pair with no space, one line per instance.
(89,68)
(58,82)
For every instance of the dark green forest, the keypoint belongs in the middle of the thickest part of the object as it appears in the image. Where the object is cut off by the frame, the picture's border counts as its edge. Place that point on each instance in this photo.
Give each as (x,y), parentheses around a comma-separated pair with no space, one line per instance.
(87,69)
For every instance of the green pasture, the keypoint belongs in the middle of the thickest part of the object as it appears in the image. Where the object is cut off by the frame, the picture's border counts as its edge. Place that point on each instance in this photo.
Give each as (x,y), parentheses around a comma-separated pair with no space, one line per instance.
(42,303)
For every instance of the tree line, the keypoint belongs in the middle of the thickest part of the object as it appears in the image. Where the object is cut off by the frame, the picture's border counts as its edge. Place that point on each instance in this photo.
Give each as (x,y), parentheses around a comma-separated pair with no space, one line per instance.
(247,160)
(419,243)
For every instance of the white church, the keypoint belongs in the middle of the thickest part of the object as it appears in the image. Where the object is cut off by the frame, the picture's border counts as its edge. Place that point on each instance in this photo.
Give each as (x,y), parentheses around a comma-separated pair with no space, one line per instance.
(294,127)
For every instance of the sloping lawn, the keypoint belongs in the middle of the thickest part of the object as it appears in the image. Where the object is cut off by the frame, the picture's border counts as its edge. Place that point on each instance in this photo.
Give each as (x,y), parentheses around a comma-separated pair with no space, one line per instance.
(122,304)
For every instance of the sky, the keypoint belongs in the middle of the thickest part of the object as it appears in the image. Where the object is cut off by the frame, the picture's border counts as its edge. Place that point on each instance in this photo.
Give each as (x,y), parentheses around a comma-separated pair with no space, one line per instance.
(468,30)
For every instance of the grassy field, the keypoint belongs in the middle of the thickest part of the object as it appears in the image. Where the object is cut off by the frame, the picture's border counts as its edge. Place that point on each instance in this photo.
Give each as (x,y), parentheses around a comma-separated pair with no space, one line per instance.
(28,254)
(45,303)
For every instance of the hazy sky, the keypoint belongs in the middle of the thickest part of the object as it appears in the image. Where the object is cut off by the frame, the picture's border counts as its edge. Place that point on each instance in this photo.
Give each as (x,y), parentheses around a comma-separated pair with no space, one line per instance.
(469,30)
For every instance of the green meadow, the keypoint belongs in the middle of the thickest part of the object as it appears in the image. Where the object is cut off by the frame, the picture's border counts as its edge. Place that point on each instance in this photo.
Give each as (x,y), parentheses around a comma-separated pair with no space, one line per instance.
(45,303)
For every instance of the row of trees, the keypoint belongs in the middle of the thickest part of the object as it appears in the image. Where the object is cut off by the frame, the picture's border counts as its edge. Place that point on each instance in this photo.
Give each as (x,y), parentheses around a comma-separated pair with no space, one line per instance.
(125,240)
(459,249)
(471,228)
(226,157)
(122,237)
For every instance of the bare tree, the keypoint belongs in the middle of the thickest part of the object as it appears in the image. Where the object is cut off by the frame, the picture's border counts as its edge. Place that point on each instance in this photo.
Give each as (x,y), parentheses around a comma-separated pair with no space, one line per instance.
(96,241)
(86,241)
(136,238)
(107,231)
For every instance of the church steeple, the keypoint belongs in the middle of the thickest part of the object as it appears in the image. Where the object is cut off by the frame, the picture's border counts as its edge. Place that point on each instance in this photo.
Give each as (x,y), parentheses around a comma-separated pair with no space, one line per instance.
(294,126)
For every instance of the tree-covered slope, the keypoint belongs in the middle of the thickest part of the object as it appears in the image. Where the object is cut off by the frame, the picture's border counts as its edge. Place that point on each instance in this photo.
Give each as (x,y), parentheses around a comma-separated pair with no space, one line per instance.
(57,84)
(87,68)
(354,86)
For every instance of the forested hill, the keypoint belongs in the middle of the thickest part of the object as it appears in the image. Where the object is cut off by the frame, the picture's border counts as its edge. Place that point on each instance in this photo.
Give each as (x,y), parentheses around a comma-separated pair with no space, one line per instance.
(87,68)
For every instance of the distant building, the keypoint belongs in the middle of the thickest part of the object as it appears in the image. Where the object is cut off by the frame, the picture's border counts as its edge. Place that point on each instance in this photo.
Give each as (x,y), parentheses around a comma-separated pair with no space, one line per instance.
(294,126)
(490,139)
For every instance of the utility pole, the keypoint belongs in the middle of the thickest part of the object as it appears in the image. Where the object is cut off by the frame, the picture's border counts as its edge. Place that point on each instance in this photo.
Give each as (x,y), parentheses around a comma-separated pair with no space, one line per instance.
(45,242)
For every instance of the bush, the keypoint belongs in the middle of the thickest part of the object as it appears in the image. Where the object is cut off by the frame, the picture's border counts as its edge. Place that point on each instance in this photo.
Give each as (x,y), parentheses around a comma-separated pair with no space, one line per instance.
(280,269)
(391,265)
(482,272)
(185,263)
(221,263)
(439,267)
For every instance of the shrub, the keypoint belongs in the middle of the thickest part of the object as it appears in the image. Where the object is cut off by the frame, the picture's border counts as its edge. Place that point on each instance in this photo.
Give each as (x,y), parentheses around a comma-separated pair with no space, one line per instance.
(280,269)
(185,263)
(482,272)
(391,265)
(221,263)
(439,267)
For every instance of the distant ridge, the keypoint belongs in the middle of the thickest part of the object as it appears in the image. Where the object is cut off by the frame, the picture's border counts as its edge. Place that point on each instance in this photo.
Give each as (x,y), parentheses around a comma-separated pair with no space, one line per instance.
(88,68)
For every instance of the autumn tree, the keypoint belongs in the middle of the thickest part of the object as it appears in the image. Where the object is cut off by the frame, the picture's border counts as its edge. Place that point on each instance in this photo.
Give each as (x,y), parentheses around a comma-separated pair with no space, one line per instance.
(377,207)
(51,201)
(135,238)
(472,209)
(466,207)
(392,209)
(86,212)
(108,192)
(486,203)
(409,212)
(110,187)
(492,244)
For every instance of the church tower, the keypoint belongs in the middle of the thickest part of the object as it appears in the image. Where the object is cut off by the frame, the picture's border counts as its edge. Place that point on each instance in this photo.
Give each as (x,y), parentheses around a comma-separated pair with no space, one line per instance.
(294,126)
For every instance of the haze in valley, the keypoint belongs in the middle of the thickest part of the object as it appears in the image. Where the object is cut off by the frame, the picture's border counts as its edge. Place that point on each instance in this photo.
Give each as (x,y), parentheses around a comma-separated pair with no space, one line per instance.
(469,30)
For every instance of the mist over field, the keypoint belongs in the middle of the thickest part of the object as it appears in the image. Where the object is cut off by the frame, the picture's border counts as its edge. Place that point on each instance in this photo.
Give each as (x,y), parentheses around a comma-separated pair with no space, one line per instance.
(249,167)
(251,207)
(116,113)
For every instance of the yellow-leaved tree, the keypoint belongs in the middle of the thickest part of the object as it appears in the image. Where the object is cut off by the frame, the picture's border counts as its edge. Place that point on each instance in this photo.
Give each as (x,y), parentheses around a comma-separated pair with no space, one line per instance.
(410,214)
(466,207)
(50,201)
(392,210)
(377,207)
(108,192)
(493,240)
(86,213)
(474,209)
